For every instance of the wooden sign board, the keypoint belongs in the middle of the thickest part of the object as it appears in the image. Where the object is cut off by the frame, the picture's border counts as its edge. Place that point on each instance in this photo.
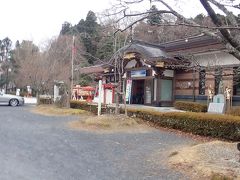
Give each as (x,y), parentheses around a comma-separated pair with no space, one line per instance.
(160,64)
(218,108)
(129,56)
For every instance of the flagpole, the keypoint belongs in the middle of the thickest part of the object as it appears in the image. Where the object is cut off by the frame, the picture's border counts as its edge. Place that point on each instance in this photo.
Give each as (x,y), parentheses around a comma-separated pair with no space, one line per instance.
(73,51)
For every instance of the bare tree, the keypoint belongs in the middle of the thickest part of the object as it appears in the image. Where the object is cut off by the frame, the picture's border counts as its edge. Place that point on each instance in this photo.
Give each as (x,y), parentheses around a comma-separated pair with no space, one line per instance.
(30,71)
(118,73)
(62,56)
(227,25)
(40,69)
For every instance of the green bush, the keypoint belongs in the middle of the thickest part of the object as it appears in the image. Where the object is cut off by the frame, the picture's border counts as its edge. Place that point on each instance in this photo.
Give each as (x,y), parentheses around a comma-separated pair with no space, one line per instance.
(85,106)
(78,104)
(45,101)
(190,106)
(218,126)
(214,125)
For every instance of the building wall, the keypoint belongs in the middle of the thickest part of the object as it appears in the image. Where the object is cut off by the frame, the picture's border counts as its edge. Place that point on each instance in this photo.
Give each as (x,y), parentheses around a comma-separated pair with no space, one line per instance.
(211,59)
(184,83)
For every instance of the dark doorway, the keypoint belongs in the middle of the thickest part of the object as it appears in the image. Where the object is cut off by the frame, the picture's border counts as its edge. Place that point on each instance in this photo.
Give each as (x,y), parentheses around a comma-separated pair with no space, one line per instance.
(137,92)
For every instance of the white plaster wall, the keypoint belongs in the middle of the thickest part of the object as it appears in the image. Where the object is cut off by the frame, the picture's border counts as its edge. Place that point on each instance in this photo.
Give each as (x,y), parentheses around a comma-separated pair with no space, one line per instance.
(131,64)
(216,58)
(108,96)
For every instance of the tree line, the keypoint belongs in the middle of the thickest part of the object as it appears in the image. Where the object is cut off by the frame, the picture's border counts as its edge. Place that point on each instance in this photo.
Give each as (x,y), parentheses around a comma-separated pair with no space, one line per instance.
(96,38)
(41,67)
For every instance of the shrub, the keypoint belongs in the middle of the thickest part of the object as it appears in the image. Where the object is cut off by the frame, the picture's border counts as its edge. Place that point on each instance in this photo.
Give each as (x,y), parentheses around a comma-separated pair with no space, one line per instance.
(45,100)
(78,104)
(23,94)
(12,93)
(214,125)
(190,106)
(86,106)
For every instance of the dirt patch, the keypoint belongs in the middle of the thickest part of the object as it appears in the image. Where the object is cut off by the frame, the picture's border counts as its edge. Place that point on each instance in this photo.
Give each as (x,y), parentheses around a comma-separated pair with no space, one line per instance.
(111,124)
(208,160)
(51,110)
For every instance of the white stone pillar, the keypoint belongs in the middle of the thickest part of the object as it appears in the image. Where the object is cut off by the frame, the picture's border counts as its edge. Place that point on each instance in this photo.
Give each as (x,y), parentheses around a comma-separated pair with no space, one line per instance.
(55,92)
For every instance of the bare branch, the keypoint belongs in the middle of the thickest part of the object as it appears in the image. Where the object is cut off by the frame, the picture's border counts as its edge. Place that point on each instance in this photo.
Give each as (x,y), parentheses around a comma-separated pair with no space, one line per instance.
(197,26)
(226,34)
(230,15)
(149,12)
(226,37)
(133,2)
(135,22)
(116,13)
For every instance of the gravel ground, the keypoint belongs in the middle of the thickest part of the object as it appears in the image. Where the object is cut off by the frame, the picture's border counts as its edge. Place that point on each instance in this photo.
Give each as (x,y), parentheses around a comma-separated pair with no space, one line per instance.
(39,147)
(216,157)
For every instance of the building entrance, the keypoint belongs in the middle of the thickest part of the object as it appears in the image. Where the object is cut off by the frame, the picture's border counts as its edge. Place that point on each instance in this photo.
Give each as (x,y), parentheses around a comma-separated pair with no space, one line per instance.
(137,92)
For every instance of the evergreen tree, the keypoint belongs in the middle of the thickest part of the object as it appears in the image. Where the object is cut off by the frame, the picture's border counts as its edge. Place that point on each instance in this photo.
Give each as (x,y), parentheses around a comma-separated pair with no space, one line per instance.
(199,18)
(155,17)
(81,26)
(91,24)
(97,42)
(89,34)
(66,28)
(7,63)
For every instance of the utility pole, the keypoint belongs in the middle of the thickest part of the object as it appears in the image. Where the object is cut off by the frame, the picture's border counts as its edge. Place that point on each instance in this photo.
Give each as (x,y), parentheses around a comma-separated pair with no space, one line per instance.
(72,60)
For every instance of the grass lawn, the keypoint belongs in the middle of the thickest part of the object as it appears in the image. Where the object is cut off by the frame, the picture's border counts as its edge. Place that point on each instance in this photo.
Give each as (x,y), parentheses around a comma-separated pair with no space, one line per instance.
(51,110)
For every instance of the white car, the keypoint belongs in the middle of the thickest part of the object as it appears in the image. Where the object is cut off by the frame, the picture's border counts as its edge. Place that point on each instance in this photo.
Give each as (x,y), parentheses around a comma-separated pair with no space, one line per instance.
(12,100)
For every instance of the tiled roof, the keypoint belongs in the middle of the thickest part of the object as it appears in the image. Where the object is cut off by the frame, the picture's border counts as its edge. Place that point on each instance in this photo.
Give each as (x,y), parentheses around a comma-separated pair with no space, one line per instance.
(146,50)
(91,69)
(192,43)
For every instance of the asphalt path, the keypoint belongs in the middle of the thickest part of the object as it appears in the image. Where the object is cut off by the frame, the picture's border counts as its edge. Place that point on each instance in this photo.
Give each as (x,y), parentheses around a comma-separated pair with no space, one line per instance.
(36,147)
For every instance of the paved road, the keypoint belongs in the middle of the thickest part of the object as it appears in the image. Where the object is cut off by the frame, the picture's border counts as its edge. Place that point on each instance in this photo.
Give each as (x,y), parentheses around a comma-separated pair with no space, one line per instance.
(35,147)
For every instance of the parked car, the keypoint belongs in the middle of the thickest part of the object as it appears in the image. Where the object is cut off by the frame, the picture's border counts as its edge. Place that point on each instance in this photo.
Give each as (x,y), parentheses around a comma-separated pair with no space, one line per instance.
(12,100)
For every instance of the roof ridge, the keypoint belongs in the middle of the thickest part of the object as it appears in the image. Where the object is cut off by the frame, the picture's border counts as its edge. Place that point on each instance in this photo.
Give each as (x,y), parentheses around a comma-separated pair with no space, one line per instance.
(137,41)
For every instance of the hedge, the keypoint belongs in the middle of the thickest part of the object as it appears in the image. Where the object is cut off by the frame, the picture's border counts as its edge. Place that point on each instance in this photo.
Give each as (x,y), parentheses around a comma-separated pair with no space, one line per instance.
(83,105)
(235,111)
(45,101)
(89,106)
(214,125)
(190,106)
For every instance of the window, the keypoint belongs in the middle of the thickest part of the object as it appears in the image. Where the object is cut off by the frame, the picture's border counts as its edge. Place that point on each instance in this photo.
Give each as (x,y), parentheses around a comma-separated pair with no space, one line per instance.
(202,82)
(148,91)
(166,90)
(155,89)
(236,81)
(218,80)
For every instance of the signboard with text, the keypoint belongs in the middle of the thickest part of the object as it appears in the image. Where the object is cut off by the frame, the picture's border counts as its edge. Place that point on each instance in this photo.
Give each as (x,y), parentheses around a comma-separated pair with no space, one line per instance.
(218,108)
(128,90)
(139,73)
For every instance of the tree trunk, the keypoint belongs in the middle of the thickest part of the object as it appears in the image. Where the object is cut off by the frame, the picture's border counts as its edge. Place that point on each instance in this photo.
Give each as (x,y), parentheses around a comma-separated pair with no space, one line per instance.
(67,99)
(225,33)
(38,97)
(125,103)
(117,111)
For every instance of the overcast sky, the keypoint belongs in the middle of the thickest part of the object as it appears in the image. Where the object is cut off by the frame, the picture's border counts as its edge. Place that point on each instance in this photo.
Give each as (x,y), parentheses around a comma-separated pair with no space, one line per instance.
(39,20)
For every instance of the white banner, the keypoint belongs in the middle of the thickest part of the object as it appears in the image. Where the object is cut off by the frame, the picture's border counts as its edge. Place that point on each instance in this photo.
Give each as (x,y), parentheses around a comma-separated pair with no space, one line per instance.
(128,90)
